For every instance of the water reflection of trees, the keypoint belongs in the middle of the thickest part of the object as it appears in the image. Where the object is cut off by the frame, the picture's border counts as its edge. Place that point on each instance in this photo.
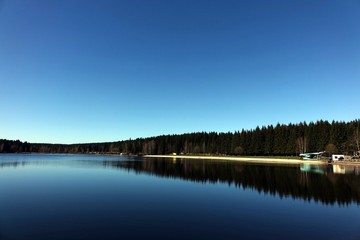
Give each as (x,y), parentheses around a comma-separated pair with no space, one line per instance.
(285,181)
(13,164)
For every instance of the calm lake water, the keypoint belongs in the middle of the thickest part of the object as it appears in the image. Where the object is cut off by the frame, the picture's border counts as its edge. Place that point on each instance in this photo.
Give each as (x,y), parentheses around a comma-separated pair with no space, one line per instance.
(107,197)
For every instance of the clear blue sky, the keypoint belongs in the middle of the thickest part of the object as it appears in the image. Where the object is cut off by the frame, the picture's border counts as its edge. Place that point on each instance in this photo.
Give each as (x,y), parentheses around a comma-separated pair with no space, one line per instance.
(91,71)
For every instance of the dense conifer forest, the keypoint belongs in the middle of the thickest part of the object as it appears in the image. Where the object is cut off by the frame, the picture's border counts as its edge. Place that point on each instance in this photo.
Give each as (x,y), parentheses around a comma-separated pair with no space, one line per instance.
(279,140)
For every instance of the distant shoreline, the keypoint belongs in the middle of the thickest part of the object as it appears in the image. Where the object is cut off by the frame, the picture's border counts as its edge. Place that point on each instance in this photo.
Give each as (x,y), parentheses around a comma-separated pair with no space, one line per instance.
(241,159)
(262,159)
(254,160)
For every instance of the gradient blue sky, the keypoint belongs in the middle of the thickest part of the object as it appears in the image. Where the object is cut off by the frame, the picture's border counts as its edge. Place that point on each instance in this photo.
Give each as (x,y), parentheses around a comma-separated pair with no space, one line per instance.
(91,71)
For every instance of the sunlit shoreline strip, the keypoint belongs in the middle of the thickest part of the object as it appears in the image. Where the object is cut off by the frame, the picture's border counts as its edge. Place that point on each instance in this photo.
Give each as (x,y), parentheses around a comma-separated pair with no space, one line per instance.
(252,160)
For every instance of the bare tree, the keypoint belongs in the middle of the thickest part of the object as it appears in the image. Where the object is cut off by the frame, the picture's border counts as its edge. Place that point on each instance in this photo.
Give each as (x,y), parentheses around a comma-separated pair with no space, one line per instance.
(331,149)
(301,144)
(239,150)
(357,139)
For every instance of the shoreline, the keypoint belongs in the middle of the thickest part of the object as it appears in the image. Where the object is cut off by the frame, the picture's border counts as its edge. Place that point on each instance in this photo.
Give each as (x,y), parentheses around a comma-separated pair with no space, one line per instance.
(241,159)
(255,160)
(261,160)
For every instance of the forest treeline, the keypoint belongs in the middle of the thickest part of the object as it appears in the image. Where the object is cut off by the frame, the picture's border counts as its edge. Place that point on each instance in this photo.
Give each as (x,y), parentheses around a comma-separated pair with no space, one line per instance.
(280,140)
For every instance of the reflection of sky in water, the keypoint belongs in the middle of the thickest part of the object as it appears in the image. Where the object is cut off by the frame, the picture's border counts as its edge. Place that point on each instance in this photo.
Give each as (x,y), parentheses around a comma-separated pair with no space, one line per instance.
(133,199)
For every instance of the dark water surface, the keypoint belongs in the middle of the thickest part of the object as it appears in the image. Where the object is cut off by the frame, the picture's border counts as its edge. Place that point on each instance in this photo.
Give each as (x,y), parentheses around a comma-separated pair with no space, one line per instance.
(105,197)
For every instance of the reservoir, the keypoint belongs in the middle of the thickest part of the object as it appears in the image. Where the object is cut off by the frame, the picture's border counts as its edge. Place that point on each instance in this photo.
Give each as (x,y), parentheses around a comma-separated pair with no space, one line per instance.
(117,197)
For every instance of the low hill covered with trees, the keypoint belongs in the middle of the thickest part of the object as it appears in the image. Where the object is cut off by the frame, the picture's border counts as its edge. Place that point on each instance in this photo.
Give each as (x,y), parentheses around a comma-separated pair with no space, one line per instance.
(281,140)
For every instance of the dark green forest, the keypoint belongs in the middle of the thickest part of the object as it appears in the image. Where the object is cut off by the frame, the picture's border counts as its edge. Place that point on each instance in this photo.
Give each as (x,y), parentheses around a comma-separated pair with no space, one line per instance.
(279,140)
